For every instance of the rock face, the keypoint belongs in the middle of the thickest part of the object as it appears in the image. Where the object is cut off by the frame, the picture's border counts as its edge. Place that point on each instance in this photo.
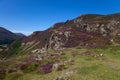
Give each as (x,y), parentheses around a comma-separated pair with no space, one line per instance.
(89,30)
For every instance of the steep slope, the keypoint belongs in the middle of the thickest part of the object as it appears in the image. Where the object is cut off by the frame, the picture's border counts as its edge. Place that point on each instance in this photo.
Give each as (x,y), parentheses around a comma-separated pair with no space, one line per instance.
(6,36)
(88,31)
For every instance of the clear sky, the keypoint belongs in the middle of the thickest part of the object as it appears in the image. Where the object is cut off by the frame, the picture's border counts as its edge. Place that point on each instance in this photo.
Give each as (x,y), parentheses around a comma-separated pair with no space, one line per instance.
(27,16)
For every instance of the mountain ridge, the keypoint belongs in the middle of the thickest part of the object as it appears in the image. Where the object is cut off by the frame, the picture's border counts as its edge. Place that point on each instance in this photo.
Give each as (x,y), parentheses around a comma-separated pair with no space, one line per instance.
(20,34)
(6,36)
(89,31)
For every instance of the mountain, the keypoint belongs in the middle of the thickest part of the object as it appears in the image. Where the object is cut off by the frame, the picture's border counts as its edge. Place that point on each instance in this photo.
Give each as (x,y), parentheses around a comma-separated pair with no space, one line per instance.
(6,36)
(20,34)
(85,31)
(85,48)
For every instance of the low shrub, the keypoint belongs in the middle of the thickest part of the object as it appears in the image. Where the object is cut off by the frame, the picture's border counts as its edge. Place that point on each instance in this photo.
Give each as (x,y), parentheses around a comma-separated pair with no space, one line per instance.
(47,68)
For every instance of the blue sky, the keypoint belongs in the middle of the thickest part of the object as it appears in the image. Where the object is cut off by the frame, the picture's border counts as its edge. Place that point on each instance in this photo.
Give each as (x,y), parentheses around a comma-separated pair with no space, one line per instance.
(27,16)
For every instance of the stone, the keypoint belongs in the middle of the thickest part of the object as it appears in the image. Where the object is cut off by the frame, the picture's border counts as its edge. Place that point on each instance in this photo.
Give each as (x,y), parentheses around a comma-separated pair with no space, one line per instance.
(38,58)
(60,78)
(55,66)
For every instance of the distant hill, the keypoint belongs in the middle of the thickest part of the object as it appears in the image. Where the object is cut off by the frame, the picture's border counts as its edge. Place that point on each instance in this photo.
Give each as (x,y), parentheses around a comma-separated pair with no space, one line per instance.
(6,36)
(20,34)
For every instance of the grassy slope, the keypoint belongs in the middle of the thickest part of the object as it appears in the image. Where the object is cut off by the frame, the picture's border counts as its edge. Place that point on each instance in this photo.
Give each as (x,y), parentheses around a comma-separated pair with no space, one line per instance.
(106,67)
(15,47)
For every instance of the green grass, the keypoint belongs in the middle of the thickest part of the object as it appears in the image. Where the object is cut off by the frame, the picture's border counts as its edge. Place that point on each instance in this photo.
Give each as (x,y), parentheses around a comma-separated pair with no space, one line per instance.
(86,67)
(15,47)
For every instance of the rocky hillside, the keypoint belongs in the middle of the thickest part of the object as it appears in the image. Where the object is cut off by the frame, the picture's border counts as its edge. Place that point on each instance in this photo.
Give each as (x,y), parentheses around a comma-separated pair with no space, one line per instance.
(6,36)
(88,31)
